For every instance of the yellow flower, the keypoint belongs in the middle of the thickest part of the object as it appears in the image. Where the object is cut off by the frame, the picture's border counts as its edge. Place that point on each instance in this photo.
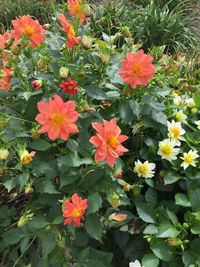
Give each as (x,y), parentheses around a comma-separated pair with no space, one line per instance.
(64,72)
(175,132)
(26,157)
(190,102)
(167,149)
(180,116)
(189,159)
(145,169)
(3,154)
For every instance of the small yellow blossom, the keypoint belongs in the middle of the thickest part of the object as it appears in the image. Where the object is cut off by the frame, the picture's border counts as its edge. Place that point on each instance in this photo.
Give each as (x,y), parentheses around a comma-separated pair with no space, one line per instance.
(175,132)
(180,116)
(26,157)
(3,154)
(167,150)
(190,102)
(145,169)
(189,159)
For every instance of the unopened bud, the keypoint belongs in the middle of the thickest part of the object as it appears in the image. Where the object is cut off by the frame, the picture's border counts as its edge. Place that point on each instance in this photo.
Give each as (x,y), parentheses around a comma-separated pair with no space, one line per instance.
(64,72)
(36,84)
(3,154)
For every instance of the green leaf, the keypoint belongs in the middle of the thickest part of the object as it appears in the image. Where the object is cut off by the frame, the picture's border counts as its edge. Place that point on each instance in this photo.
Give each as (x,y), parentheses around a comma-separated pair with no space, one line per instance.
(93,227)
(94,202)
(92,177)
(10,184)
(40,145)
(104,257)
(146,213)
(72,160)
(125,111)
(48,244)
(182,200)
(195,227)
(163,251)
(24,244)
(96,92)
(165,230)
(195,200)
(38,222)
(151,229)
(83,255)
(68,178)
(171,178)
(150,260)
(12,236)
(188,258)
(47,187)
(135,107)
(94,263)
(151,197)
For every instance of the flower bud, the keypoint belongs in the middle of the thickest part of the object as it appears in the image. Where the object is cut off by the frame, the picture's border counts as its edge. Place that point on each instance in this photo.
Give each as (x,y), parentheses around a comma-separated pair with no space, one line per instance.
(104,58)
(120,217)
(36,84)
(136,190)
(22,221)
(3,154)
(87,41)
(64,72)
(114,200)
(173,242)
(46,26)
(194,110)
(26,157)
(118,173)
(126,32)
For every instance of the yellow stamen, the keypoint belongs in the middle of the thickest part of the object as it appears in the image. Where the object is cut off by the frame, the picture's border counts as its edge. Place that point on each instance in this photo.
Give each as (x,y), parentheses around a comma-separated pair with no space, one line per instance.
(112,141)
(58,119)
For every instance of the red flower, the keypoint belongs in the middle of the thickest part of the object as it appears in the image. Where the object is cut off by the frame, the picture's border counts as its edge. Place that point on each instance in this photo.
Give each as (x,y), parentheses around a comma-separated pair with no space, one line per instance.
(57,118)
(36,84)
(69,30)
(74,212)
(69,86)
(108,140)
(137,69)
(25,25)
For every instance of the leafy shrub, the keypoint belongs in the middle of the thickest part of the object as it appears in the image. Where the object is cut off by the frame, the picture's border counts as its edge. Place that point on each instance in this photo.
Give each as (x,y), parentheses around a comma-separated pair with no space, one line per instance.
(61,204)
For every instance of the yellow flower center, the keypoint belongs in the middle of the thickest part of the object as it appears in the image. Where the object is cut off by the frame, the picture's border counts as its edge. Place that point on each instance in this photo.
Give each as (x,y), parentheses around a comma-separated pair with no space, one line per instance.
(179,117)
(166,150)
(137,69)
(71,31)
(58,119)
(188,158)
(29,30)
(112,141)
(76,213)
(26,159)
(70,87)
(175,132)
(143,169)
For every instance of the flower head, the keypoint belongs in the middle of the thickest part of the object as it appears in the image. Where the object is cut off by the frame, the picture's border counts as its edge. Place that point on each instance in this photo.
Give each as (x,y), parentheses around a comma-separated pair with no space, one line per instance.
(189,159)
(137,69)
(145,169)
(4,38)
(63,71)
(26,157)
(69,30)
(69,86)
(198,124)
(175,131)
(4,153)
(190,102)
(180,116)
(74,212)
(167,149)
(36,84)
(108,140)
(57,118)
(178,101)
(5,78)
(78,9)
(26,26)
(135,264)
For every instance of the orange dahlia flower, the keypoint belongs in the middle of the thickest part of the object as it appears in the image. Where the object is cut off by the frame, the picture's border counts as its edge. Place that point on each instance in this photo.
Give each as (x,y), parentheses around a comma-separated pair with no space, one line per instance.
(69,30)
(137,69)
(4,38)
(57,118)
(5,77)
(26,26)
(77,9)
(108,140)
(74,212)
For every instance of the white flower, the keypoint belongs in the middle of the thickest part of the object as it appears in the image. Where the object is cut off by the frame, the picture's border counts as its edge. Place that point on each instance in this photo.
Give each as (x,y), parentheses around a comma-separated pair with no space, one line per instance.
(135,264)
(177,100)
(167,149)
(175,132)
(180,116)
(145,169)
(190,102)
(3,154)
(198,124)
(189,159)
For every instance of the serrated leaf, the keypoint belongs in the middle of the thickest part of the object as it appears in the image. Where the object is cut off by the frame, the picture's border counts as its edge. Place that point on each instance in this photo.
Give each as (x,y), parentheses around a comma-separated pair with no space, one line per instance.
(48,244)
(94,202)
(96,92)
(146,213)
(40,145)
(12,236)
(182,200)
(93,227)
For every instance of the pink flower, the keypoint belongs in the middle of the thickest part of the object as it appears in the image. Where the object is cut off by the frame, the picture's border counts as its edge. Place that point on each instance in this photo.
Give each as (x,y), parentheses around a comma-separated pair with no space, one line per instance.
(57,118)
(78,9)
(137,69)
(108,140)
(74,212)
(4,38)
